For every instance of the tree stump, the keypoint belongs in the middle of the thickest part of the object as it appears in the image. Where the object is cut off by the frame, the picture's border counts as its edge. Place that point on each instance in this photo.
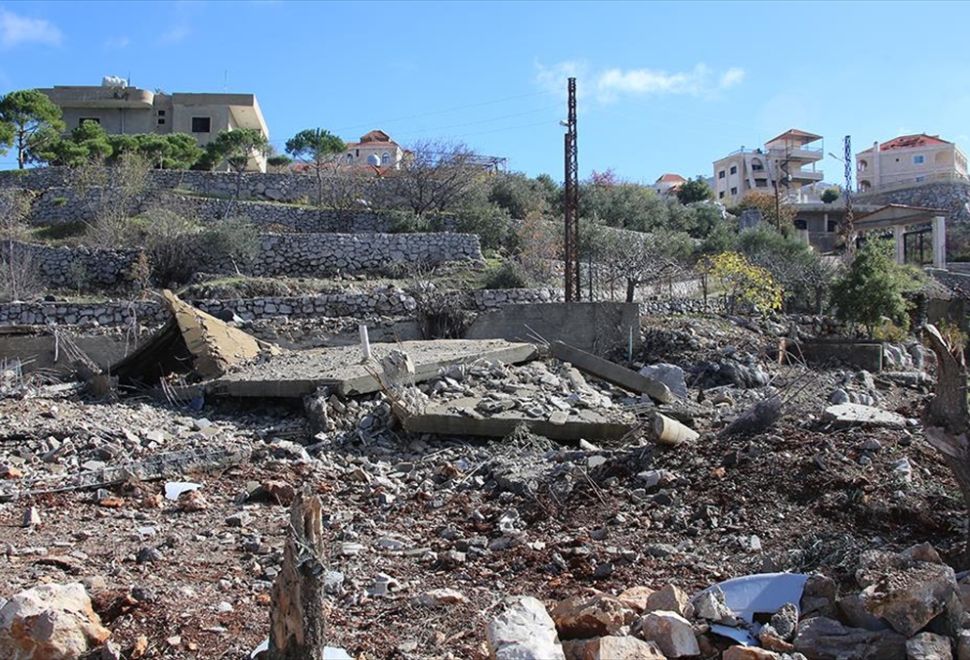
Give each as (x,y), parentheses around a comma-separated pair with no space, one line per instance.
(946,418)
(297,615)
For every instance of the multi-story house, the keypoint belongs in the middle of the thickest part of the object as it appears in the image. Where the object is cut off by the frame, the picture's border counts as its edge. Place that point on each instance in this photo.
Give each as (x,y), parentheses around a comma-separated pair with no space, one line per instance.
(787,161)
(376,149)
(909,159)
(122,109)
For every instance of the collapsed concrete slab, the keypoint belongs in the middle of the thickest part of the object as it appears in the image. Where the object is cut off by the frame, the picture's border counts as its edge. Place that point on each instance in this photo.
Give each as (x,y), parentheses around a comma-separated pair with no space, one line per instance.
(461,417)
(191,341)
(612,372)
(340,369)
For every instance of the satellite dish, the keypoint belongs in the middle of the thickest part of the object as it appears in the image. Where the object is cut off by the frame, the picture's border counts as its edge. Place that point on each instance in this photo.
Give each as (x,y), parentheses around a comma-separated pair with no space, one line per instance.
(374,160)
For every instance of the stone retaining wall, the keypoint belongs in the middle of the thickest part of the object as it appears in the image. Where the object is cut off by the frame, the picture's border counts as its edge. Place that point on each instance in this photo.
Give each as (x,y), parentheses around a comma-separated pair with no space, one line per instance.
(305,255)
(75,267)
(951,196)
(272,187)
(390,301)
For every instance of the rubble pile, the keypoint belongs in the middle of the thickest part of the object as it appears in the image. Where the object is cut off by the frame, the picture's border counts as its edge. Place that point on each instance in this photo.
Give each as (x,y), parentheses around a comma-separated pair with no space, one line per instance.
(905,605)
(444,545)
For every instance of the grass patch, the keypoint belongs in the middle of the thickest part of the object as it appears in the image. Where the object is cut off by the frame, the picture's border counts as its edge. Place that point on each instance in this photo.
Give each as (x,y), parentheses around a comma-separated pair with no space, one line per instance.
(58,233)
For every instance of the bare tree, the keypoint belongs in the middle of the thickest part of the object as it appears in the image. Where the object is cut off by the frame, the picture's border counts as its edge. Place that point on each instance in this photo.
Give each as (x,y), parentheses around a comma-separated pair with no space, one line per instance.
(19,276)
(644,260)
(111,193)
(435,176)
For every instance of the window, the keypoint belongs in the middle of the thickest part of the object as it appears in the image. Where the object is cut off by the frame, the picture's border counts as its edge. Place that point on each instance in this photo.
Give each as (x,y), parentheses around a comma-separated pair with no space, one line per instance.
(720,195)
(349,158)
(161,121)
(734,191)
(720,175)
(385,158)
(161,113)
(357,152)
(94,120)
(201,124)
(919,160)
(761,183)
(734,169)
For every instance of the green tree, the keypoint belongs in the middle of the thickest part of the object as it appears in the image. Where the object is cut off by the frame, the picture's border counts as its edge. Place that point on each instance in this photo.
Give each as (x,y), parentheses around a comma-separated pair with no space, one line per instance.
(33,120)
(873,287)
(87,142)
(695,190)
(830,195)
(518,194)
(318,148)
(235,148)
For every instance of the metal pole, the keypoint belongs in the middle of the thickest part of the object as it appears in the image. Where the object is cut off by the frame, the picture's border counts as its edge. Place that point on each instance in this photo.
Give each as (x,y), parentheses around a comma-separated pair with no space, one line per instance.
(848,223)
(573,285)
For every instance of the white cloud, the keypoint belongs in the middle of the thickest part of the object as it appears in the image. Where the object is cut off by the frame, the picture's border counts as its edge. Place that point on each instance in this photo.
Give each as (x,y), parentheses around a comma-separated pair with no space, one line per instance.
(117,42)
(174,35)
(614,83)
(731,77)
(16,30)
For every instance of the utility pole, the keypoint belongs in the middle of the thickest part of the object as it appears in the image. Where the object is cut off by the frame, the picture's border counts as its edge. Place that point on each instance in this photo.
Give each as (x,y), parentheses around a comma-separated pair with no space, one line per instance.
(571,201)
(848,223)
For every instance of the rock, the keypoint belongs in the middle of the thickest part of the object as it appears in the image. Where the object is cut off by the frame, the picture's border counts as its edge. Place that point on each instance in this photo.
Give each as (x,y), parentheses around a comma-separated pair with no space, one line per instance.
(672,633)
(818,596)
(929,646)
(855,414)
(670,375)
(670,599)
(441,597)
(192,501)
(748,653)
(238,519)
(50,622)
(822,638)
(785,621)
(839,396)
(523,631)
(612,648)
(635,598)
(148,555)
(963,645)
(710,605)
(589,616)
(854,614)
(908,591)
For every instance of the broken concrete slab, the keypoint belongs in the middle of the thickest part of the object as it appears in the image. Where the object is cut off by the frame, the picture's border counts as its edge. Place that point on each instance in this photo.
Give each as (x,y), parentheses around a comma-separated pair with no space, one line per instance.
(612,372)
(460,417)
(339,368)
(856,414)
(191,341)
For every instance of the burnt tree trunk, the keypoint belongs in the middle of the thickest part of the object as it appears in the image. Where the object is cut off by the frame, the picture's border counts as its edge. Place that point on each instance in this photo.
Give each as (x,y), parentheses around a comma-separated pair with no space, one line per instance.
(946,419)
(297,616)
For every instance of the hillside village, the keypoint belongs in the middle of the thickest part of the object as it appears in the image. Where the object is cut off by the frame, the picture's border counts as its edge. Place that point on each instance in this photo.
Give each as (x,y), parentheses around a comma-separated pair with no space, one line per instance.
(335,400)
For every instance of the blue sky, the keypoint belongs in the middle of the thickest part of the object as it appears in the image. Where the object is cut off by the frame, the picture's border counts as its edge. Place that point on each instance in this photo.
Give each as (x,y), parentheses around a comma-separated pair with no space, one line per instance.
(663,87)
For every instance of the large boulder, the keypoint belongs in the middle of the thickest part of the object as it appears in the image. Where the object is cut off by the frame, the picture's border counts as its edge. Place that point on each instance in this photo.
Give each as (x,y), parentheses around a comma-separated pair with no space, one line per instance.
(671,632)
(50,622)
(821,638)
(910,589)
(589,616)
(523,631)
(670,599)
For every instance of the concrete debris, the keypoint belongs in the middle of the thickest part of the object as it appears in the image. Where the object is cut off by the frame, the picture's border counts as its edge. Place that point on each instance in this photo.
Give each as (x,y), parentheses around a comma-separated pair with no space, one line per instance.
(612,372)
(50,622)
(523,631)
(853,414)
(670,375)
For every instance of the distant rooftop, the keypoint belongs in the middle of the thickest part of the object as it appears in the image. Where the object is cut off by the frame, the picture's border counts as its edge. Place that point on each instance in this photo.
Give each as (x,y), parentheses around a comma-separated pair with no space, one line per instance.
(796,135)
(671,178)
(908,141)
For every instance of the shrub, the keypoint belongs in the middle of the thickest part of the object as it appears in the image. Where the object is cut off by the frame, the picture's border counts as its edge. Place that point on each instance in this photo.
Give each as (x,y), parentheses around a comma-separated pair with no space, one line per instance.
(492,224)
(509,275)
(746,283)
(872,288)
(830,195)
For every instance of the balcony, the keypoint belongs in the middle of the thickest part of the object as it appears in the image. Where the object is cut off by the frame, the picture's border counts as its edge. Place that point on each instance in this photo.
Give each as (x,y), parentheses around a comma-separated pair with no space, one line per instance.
(796,153)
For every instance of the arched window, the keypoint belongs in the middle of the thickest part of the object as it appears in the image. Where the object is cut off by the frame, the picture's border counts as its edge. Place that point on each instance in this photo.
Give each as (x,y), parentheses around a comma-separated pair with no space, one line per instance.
(385,158)
(864,186)
(863,165)
(349,158)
